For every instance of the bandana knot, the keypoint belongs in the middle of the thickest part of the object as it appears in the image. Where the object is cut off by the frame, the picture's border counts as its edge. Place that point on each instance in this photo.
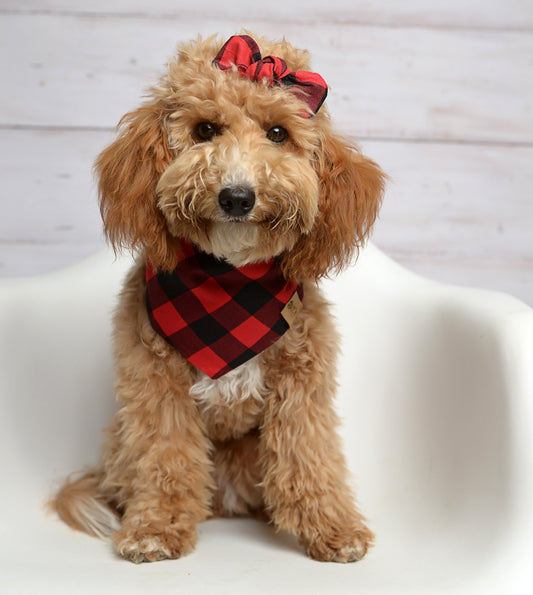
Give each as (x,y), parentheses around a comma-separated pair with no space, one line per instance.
(243,52)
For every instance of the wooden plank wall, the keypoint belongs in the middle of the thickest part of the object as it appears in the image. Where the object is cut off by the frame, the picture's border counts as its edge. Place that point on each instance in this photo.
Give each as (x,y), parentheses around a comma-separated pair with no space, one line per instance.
(440,94)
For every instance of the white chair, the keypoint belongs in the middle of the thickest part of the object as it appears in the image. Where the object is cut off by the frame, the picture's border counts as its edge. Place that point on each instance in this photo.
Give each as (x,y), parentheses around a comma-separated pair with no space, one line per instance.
(436,394)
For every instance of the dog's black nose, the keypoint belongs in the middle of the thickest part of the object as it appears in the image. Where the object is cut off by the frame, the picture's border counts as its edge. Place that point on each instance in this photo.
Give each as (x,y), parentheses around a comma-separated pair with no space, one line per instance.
(236,201)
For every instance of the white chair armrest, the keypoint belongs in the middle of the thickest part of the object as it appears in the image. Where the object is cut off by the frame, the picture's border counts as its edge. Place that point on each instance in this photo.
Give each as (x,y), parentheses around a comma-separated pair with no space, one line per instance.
(436,394)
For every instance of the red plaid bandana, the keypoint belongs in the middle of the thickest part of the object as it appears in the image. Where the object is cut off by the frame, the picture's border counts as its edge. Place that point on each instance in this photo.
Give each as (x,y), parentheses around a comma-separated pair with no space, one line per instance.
(243,52)
(218,316)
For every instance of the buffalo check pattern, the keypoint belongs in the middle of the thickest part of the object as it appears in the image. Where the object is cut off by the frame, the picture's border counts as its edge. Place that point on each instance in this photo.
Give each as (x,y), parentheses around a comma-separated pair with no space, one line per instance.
(216,315)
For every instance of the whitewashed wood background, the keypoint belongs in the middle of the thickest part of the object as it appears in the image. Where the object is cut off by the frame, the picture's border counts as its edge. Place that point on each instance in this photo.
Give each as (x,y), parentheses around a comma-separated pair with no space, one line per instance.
(439,93)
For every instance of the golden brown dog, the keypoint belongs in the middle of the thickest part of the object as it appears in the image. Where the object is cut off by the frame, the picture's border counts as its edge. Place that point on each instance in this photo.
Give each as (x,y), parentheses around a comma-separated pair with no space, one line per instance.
(243,172)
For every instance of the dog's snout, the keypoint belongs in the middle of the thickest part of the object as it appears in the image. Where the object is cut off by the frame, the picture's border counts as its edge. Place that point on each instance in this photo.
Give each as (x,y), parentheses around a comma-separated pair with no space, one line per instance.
(236,201)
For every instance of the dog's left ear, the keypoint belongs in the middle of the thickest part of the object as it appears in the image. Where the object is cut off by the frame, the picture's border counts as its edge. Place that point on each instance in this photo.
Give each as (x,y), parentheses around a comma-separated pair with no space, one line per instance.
(350,192)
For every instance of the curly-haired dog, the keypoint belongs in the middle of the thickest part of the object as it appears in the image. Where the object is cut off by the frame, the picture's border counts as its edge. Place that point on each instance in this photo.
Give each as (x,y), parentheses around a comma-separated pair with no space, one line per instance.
(239,197)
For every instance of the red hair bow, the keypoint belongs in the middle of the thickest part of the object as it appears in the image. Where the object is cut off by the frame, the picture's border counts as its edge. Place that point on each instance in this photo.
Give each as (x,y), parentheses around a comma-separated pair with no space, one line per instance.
(243,52)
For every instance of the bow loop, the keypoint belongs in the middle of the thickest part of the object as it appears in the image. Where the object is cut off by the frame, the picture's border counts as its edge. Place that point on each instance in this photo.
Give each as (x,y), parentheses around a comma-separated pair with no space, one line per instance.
(243,52)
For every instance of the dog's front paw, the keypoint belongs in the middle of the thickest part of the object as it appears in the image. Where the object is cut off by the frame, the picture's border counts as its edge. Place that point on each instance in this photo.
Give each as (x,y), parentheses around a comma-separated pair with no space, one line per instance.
(340,545)
(149,545)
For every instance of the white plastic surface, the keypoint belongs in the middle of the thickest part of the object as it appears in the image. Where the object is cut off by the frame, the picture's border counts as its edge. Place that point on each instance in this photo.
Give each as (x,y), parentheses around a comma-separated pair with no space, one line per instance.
(437,399)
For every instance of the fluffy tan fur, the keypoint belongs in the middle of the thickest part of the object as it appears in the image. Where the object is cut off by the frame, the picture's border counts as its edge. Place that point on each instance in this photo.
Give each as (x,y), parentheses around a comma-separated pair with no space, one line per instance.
(262,439)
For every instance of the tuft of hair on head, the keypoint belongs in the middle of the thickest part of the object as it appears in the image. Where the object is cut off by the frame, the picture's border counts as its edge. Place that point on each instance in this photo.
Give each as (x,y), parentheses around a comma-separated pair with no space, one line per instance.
(351,189)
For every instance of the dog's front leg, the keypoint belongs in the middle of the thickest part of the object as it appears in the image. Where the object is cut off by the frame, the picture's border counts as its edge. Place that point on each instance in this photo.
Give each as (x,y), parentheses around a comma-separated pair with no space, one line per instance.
(156,465)
(304,472)
(304,483)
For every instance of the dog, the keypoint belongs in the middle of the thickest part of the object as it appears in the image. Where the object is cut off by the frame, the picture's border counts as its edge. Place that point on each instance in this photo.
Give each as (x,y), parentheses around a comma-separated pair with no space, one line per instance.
(237,196)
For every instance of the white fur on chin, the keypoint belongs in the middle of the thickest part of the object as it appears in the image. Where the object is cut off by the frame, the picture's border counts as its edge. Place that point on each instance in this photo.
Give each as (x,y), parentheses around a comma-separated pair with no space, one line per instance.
(234,241)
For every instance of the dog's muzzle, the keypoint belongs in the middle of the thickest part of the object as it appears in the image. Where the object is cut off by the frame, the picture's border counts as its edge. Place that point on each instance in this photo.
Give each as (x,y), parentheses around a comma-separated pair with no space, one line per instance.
(236,201)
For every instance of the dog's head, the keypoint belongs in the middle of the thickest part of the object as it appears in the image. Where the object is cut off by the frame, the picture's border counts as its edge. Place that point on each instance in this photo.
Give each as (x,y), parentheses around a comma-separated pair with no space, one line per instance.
(240,167)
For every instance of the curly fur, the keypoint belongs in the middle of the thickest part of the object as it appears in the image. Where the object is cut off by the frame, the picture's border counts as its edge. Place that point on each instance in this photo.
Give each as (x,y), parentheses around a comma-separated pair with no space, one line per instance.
(261,440)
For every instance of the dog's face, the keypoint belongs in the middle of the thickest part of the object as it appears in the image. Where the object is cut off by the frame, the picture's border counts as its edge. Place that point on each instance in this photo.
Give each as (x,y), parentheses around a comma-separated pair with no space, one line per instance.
(242,184)
(233,166)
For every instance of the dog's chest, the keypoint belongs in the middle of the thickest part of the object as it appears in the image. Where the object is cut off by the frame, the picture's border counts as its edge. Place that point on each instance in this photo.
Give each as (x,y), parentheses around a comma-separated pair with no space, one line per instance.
(231,405)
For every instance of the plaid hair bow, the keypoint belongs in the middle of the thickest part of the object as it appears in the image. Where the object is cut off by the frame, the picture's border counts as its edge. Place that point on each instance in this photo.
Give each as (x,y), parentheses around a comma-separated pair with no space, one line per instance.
(243,52)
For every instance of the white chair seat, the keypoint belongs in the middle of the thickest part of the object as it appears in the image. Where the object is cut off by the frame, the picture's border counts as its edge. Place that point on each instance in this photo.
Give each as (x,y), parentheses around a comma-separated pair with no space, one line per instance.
(436,394)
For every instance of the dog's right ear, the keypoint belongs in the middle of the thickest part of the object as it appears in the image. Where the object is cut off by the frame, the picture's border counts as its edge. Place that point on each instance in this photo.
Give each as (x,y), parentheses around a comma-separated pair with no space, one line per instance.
(128,172)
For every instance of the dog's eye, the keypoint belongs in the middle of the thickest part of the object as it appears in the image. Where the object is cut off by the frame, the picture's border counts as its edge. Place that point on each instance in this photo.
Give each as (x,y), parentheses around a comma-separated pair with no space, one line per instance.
(205,131)
(277,134)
